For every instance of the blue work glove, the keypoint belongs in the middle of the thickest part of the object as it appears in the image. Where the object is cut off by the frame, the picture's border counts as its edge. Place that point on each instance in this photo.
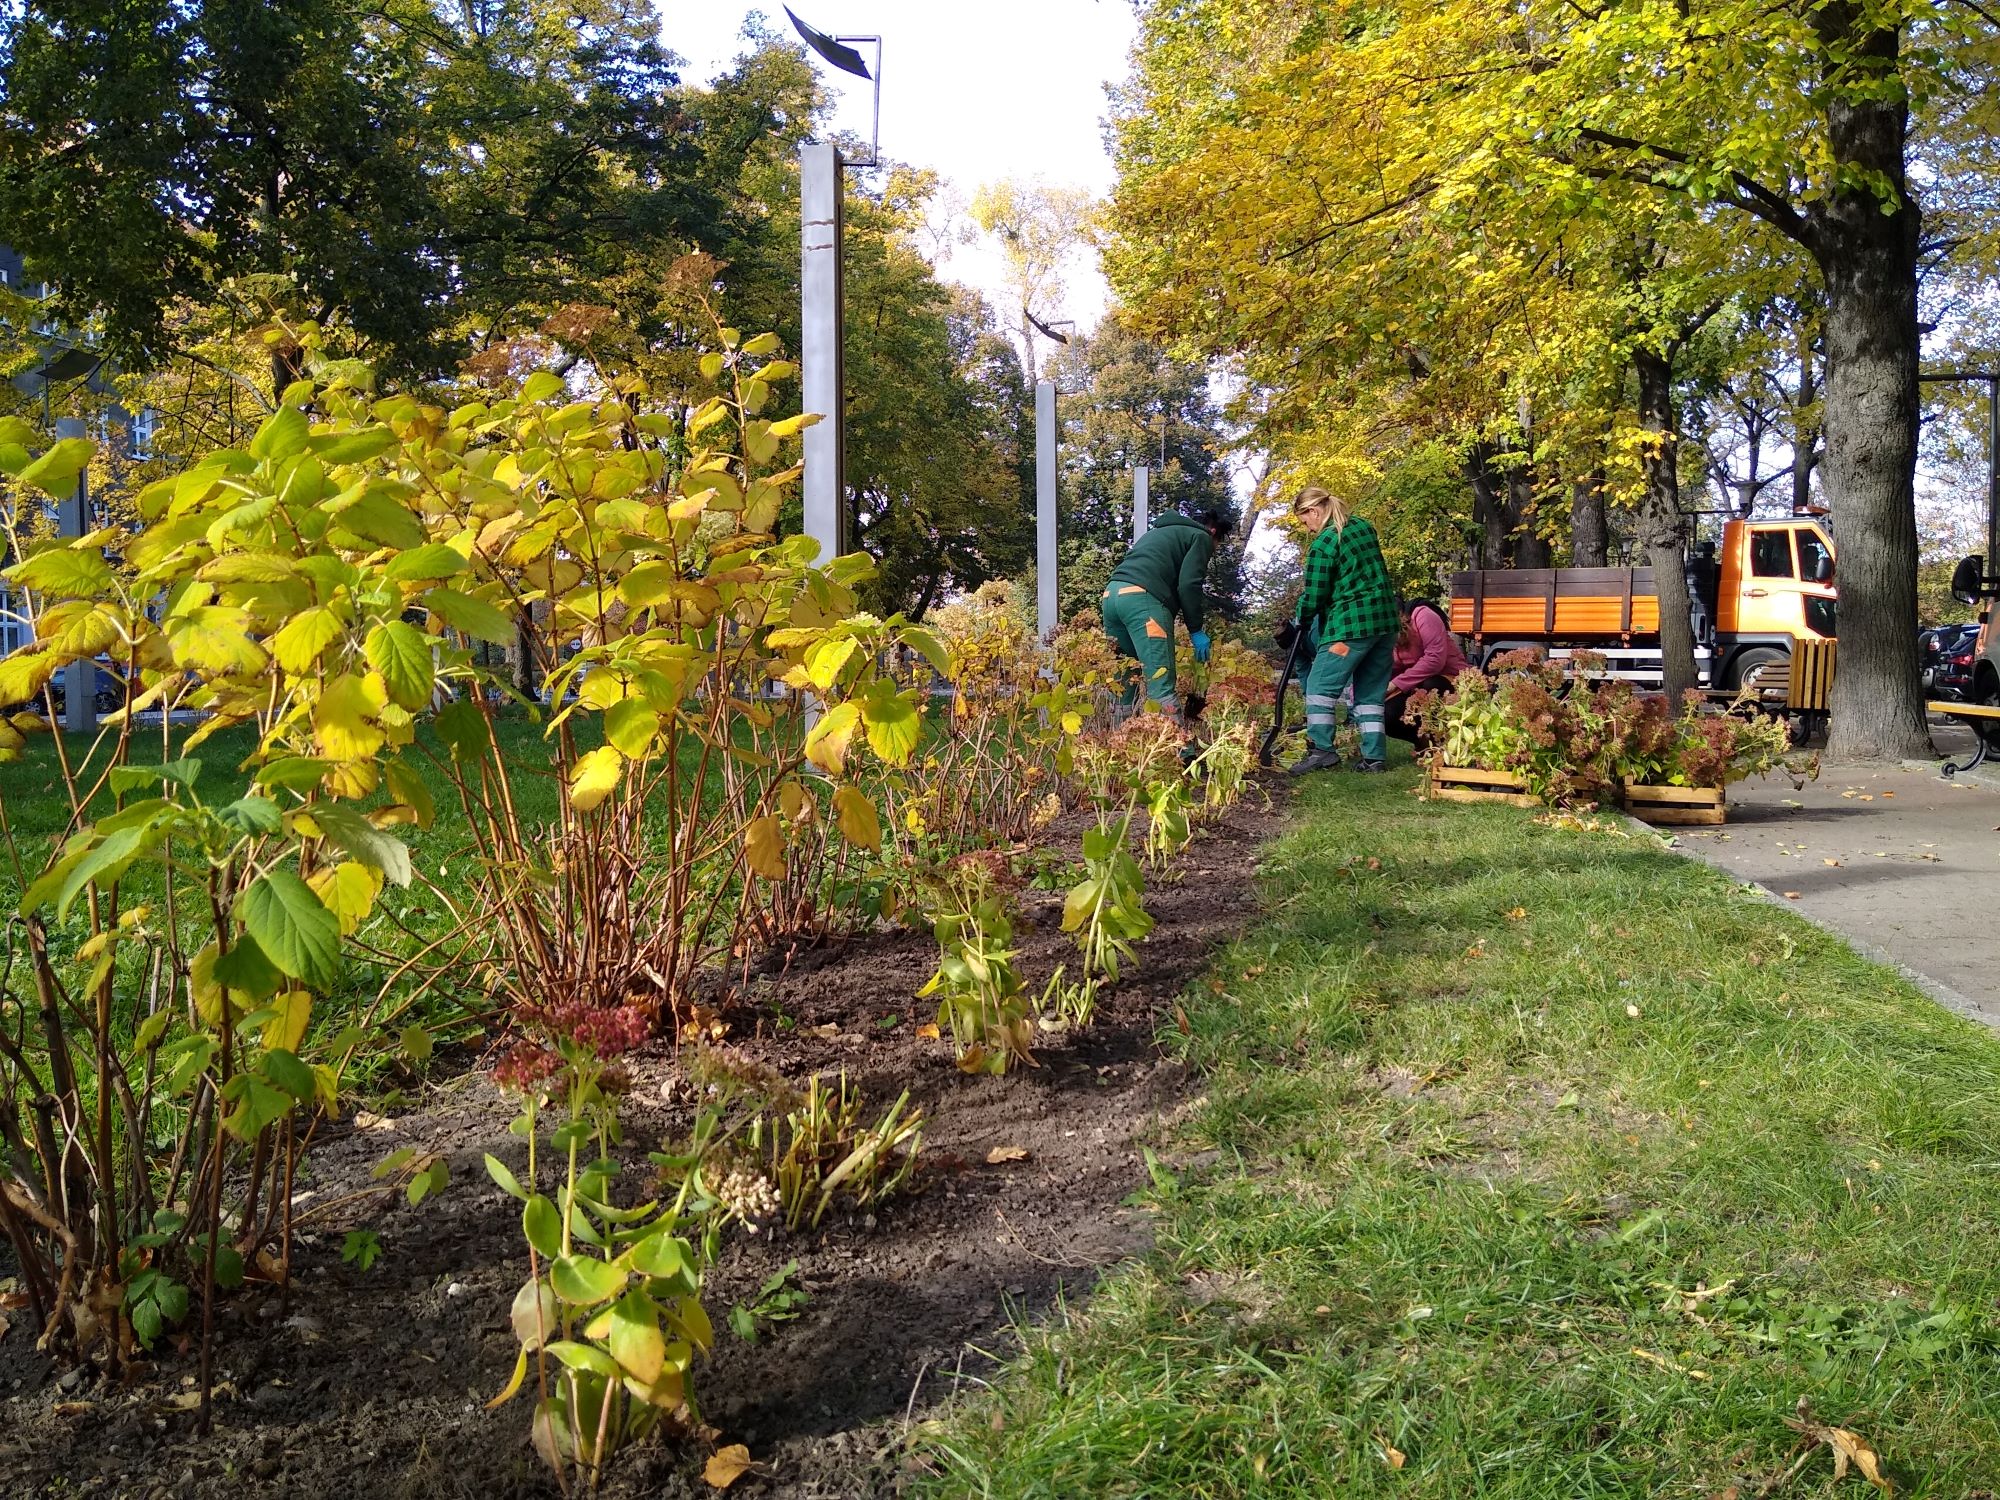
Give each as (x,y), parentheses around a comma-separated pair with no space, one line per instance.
(1200,640)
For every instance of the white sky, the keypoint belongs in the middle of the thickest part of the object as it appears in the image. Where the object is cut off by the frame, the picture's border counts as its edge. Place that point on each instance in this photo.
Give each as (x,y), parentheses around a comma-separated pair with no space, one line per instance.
(977,92)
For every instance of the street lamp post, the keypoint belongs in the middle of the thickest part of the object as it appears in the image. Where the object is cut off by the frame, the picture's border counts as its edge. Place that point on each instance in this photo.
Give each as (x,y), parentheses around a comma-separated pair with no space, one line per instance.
(822,300)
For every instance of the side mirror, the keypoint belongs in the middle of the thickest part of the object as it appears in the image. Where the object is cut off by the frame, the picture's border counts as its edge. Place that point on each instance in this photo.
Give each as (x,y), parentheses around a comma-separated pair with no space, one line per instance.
(1968,579)
(1823,570)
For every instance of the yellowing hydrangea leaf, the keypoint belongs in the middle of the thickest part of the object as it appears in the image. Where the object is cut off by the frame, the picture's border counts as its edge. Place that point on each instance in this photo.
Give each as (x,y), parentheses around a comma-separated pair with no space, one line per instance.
(299,646)
(858,822)
(764,846)
(348,890)
(344,719)
(290,1013)
(826,745)
(214,639)
(596,776)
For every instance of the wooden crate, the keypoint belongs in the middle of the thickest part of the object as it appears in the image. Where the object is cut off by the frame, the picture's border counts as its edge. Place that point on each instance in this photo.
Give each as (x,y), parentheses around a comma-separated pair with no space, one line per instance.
(1444,783)
(1676,804)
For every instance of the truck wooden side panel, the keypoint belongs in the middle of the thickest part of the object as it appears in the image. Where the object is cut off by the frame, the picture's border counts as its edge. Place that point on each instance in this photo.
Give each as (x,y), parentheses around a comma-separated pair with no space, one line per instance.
(1611,603)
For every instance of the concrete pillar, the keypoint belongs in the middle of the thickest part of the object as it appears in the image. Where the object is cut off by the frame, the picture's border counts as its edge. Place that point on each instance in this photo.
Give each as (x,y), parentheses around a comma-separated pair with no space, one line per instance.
(73,519)
(822,382)
(1045,508)
(1140,515)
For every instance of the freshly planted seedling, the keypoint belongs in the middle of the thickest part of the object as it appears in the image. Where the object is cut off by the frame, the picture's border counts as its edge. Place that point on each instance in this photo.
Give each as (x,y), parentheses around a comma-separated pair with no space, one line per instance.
(778,1300)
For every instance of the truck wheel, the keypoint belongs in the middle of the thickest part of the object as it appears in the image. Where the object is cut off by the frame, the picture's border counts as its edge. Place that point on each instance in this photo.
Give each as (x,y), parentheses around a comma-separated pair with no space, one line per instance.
(1746,666)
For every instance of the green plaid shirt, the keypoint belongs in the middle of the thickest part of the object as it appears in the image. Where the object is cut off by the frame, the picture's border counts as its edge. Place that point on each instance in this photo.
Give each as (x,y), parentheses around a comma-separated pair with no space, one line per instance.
(1348,585)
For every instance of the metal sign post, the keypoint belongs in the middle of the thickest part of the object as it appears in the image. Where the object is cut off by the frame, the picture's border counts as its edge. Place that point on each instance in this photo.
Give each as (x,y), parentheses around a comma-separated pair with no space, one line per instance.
(1141,478)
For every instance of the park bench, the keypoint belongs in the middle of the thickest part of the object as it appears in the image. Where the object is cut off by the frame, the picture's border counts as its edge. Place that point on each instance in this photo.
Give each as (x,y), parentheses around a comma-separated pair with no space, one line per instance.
(1984,721)
(1809,688)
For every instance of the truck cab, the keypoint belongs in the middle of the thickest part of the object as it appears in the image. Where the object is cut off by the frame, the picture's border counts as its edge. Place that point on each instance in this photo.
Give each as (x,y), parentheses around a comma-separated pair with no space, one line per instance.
(1774,587)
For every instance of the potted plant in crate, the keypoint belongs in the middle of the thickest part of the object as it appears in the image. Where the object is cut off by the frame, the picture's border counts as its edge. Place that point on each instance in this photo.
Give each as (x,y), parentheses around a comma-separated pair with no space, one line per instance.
(1676,768)
(1516,736)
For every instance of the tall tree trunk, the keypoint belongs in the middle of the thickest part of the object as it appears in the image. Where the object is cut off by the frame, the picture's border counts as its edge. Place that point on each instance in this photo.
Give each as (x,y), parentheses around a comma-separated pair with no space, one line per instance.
(1489,507)
(1531,548)
(1867,253)
(1661,526)
(1589,531)
(1805,431)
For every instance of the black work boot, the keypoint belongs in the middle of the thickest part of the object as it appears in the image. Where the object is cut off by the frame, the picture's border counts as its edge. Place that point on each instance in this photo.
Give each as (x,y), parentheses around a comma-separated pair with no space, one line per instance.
(1314,760)
(1371,765)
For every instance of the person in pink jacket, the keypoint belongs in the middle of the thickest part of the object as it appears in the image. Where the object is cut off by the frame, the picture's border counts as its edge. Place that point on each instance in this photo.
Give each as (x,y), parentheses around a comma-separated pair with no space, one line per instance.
(1426,656)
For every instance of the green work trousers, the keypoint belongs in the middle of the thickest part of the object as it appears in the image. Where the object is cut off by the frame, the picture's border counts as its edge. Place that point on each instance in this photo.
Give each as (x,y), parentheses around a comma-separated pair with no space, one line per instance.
(1142,628)
(1365,664)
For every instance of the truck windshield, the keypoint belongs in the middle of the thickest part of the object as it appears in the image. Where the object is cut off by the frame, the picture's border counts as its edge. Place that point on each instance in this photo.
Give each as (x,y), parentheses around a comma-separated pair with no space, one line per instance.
(1771,554)
(1812,548)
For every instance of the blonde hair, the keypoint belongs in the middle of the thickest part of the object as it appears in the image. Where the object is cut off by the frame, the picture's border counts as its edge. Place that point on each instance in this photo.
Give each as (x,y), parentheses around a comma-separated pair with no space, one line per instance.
(1336,508)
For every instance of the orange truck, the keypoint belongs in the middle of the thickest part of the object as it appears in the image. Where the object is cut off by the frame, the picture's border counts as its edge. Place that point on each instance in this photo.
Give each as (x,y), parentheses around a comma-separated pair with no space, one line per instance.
(1767,587)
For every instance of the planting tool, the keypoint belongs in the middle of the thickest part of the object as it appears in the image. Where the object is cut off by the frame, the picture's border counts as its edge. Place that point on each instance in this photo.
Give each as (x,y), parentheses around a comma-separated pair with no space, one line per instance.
(1298,639)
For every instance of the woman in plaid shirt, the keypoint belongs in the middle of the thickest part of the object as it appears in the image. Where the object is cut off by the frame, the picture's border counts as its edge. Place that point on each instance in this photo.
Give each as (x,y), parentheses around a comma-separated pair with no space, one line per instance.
(1349,604)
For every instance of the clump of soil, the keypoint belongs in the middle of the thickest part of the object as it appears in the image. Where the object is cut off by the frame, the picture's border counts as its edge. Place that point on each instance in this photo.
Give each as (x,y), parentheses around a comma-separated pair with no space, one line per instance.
(372,1384)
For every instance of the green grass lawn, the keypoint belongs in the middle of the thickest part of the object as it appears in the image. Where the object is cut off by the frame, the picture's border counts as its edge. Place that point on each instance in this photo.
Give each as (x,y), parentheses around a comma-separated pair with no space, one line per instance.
(1539,1163)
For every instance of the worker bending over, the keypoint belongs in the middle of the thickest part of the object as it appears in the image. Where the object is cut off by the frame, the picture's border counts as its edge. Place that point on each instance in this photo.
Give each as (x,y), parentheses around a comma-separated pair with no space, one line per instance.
(1164,575)
(1349,604)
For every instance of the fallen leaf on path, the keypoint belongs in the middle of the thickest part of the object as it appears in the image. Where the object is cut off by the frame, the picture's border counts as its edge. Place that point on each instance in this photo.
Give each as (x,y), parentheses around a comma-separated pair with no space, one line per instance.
(726,1465)
(1001,1154)
(1829,861)
(364,1120)
(1888,794)
(1791,895)
(1390,1452)
(1848,1447)
(928,1031)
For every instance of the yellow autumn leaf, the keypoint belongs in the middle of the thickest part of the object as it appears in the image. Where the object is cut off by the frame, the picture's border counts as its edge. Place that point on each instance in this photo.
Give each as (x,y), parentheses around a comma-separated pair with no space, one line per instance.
(793,803)
(726,1465)
(299,646)
(858,822)
(596,776)
(348,890)
(827,742)
(764,846)
(1846,1445)
(215,640)
(291,1012)
(344,719)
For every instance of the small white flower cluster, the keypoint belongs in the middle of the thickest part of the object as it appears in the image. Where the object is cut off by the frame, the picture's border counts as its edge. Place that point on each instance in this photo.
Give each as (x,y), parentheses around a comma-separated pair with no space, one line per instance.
(750,1196)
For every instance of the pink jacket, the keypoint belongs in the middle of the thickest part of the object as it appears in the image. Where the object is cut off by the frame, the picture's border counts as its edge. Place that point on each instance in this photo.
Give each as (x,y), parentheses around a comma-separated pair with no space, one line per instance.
(1424,650)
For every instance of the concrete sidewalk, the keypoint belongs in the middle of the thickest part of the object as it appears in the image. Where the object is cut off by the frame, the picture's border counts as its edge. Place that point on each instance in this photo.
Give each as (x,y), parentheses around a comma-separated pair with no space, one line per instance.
(1902,863)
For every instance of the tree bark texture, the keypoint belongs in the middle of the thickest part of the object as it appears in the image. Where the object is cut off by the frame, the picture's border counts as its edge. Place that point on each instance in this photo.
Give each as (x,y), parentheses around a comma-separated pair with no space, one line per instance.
(1502,504)
(1589,531)
(1661,526)
(1531,548)
(1867,254)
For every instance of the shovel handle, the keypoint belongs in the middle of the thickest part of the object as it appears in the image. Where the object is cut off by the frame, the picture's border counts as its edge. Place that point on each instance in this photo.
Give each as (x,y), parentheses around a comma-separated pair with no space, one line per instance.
(1278,703)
